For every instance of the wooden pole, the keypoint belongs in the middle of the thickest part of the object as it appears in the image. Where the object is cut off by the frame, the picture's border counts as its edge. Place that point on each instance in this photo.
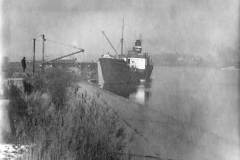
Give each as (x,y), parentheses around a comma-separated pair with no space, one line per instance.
(122,38)
(34,44)
(43,49)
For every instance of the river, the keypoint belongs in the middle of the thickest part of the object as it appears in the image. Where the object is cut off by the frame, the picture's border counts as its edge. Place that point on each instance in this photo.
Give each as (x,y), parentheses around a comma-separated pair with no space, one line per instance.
(189,113)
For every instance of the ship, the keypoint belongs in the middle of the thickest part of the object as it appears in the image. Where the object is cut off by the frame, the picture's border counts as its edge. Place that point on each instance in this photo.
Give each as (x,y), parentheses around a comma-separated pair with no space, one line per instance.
(126,68)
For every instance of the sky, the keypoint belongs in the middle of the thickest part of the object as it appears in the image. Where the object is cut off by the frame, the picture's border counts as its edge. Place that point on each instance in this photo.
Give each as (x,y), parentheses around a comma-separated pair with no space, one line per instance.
(206,28)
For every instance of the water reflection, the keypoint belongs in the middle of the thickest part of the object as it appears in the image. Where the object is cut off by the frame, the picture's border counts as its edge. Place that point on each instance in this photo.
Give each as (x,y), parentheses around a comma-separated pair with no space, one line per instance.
(138,92)
(121,89)
(142,94)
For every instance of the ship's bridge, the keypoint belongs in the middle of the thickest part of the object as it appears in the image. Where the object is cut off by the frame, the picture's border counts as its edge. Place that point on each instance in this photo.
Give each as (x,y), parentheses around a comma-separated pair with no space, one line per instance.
(137,61)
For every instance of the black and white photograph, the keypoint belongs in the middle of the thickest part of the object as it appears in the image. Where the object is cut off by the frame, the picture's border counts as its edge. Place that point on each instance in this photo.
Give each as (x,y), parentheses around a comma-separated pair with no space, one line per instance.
(120,80)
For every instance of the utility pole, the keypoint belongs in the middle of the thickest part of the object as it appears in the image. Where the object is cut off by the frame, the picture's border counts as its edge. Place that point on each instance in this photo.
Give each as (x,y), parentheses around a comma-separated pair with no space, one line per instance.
(34,44)
(122,38)
(43,47)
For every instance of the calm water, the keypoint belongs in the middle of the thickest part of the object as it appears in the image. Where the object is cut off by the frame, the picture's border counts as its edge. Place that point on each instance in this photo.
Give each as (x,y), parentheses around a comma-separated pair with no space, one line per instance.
(189,113)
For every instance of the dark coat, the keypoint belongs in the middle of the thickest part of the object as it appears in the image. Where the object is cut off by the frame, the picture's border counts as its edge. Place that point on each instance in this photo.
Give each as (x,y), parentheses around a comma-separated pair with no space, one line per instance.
(23,61)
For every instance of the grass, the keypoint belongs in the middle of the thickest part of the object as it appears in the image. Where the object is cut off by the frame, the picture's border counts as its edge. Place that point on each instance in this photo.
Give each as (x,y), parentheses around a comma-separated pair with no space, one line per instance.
(62,124)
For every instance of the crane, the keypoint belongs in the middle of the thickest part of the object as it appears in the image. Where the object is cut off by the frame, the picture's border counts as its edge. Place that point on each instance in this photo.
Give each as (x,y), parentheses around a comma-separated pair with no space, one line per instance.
(110,42)
(56,59)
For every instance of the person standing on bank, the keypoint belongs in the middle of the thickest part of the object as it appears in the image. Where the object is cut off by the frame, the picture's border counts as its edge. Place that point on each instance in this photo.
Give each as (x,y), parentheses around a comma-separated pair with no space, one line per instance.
(23,61)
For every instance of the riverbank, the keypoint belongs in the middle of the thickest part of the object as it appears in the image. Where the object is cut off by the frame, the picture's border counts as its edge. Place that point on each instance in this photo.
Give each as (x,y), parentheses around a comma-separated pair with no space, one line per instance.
(127,111)
(62,123)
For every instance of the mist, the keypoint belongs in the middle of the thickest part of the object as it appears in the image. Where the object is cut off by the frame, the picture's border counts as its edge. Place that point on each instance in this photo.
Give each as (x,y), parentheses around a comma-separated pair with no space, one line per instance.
(207,28)
(200,98)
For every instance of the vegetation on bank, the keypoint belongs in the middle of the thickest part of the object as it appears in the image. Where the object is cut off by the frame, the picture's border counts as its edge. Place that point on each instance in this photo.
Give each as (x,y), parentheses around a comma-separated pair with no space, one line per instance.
(60,123)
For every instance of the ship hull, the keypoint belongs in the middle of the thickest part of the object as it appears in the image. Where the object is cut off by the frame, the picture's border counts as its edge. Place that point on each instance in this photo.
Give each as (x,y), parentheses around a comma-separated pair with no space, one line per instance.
(118,71)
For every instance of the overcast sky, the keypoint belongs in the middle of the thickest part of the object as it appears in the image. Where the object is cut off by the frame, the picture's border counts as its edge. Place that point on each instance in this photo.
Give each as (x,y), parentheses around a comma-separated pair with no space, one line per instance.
(208,28)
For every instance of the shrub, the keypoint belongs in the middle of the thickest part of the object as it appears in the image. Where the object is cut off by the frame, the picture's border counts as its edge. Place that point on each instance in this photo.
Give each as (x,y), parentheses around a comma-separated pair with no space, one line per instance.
(80,129)
(17,109)
(55,81)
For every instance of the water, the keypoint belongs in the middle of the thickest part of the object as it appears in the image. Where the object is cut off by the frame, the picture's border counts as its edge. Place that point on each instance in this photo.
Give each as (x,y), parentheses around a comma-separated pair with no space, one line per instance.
(189,113)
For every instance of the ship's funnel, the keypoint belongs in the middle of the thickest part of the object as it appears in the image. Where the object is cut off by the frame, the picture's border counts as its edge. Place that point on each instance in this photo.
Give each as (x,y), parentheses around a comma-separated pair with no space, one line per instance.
(138,46)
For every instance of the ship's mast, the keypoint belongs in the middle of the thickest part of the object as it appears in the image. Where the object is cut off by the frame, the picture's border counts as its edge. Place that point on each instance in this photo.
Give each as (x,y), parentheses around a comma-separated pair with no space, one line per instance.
(122,38)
